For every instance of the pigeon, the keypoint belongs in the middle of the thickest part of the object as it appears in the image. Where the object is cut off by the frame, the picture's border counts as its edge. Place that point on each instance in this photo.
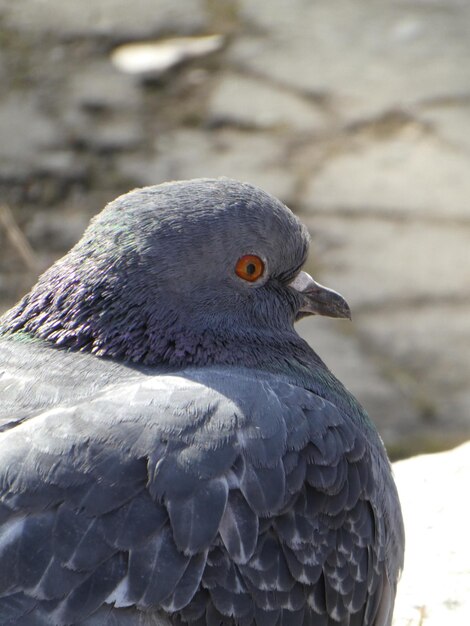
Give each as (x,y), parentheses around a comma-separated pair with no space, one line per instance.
(172,452)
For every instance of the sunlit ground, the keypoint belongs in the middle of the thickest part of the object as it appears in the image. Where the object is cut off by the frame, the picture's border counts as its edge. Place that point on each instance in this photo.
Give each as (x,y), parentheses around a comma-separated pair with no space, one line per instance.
(435,586)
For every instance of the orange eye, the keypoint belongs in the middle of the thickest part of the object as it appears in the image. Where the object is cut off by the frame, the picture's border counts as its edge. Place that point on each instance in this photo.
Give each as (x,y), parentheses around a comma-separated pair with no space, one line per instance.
(249,267)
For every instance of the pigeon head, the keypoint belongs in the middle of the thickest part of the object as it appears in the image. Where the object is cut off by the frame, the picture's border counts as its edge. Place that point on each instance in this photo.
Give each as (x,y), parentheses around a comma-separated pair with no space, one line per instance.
(191,272)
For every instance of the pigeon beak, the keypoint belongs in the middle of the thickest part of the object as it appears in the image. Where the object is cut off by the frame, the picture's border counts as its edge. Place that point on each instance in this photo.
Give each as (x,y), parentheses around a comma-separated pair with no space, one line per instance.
(319,300)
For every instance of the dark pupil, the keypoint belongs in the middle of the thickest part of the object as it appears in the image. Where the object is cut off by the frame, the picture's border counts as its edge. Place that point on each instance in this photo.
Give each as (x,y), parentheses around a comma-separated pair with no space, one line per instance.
(250,269)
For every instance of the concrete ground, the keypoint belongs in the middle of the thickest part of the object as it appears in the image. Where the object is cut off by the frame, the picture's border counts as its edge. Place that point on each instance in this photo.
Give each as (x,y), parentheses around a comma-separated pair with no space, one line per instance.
(435,586)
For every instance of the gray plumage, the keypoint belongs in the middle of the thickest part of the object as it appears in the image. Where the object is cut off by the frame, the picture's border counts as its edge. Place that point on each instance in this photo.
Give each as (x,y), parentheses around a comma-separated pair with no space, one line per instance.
(171,452)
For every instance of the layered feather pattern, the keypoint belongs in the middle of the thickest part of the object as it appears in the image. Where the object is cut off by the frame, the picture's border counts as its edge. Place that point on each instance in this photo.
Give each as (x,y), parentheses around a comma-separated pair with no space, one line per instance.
(179,497)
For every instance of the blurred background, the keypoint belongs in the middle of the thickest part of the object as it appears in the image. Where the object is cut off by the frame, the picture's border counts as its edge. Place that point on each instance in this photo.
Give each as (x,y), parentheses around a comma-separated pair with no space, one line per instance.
(356,114)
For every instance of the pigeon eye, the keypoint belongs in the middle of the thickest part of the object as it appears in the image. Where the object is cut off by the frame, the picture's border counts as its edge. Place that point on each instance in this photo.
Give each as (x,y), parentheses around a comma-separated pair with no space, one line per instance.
(249,267)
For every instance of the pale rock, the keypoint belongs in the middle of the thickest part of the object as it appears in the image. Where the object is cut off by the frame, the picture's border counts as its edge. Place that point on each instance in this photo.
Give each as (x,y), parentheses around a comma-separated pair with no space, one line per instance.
(404,175)
(111,18)
(432,343)
(251,157)
(435,587)
(25,131)
(378,262)
(99,85)
(153,58)
(450,122)
(369,57)
(247,101)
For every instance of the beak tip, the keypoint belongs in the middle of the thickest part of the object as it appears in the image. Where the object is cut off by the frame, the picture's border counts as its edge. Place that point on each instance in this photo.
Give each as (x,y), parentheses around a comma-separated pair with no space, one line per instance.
(320,300)
(343,312)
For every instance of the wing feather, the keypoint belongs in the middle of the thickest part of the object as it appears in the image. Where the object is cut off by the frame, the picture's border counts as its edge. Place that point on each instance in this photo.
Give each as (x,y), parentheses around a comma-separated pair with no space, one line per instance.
(208,495)
(91,594)
(239,528)
(155,569)
(195,520)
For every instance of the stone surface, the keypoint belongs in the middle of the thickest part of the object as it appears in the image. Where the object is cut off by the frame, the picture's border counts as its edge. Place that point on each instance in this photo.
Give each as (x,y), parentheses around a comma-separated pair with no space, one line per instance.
(114,18)
(381,262)
(451,122)
(151,59)
(425,351)
(250,157)
(432,343)
(361,53)
(109,133)
(435,586)
(60,164)
(250,102)
(25,132)
(98,85)
(407,174)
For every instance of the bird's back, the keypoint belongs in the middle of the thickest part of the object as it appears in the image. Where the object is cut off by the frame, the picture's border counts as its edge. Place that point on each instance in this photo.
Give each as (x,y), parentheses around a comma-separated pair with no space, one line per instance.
(214,495)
